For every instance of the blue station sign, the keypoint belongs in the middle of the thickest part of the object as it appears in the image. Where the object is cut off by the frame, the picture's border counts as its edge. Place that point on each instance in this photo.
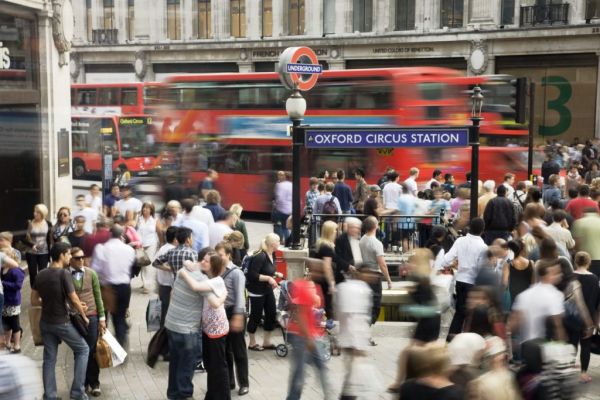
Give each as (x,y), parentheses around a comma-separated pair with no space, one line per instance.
(318,138)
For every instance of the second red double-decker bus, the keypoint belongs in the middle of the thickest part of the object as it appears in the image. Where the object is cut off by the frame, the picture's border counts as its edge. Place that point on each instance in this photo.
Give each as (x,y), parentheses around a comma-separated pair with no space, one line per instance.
(114,98)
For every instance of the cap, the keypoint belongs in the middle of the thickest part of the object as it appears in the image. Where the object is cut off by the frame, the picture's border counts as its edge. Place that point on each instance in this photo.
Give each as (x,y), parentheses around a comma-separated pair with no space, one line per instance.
(375,188)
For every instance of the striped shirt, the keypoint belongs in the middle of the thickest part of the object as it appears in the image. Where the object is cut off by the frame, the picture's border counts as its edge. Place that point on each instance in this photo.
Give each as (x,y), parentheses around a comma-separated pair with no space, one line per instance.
(185,309)
(176,257)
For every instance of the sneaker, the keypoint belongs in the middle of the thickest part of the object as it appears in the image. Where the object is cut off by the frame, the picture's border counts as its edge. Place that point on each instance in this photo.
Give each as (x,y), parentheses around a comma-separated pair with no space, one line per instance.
(200,367)
(96,391)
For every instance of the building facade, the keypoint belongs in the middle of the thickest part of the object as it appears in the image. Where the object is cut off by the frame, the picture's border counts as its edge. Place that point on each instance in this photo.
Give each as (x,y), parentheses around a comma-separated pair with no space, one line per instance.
(34,108)
(556,43)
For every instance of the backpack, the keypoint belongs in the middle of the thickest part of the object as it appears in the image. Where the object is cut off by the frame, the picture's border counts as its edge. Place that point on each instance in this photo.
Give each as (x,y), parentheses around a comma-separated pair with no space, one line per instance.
(247,261)
(517,206)
(329,207)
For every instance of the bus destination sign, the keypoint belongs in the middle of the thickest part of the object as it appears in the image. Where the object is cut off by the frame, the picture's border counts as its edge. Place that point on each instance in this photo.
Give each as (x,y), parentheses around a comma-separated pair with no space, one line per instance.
(386,137)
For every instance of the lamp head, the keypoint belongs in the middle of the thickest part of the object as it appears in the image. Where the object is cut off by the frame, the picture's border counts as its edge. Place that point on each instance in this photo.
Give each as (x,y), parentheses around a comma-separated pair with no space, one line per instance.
(477,102)
(295,106)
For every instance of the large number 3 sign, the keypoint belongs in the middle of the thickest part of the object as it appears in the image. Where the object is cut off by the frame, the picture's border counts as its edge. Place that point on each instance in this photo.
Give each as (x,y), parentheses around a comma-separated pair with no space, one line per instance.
(558,105)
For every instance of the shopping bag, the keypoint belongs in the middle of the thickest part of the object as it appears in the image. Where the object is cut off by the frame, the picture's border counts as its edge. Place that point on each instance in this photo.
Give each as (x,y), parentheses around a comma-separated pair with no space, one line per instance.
(103,353)
(153,314)
(159,344)
(35,315)
(118,354)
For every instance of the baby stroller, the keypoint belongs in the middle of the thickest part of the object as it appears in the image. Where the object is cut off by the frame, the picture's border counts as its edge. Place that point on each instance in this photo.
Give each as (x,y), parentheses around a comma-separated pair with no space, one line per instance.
(285,313)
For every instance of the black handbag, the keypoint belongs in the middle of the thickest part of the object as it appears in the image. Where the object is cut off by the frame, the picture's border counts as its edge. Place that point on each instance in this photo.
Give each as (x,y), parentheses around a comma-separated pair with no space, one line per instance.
(595,343)
(76,319)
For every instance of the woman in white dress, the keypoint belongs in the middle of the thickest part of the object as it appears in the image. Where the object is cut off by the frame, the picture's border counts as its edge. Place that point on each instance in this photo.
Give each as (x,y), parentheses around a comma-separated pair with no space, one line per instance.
(148,227)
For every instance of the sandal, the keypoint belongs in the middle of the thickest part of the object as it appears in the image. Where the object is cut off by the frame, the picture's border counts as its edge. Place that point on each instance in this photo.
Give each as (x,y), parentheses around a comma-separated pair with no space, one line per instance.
(270,347)
(256,347)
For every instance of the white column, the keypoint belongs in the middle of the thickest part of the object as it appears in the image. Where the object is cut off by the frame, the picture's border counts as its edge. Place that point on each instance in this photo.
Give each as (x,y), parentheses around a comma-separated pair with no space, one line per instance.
(187,20)
(278,10)
(382,11)
(343,20)
(431,14)
(79,15)
(253,19)
(313,17)
(220,19)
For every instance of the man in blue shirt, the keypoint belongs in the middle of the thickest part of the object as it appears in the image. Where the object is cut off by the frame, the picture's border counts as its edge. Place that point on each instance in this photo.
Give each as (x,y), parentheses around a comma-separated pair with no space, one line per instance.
(343,193)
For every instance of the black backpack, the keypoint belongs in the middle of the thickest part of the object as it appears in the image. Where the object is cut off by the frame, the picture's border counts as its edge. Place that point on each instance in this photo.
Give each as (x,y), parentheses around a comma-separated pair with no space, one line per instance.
(329,207)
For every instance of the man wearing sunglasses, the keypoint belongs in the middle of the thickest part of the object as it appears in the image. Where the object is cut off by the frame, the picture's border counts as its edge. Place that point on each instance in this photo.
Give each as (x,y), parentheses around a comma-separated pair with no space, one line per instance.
(87,287)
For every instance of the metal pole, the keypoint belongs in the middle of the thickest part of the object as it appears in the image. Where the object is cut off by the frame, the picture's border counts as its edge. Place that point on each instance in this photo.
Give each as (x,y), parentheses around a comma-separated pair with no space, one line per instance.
(531,131)
(296,146)
(474,143)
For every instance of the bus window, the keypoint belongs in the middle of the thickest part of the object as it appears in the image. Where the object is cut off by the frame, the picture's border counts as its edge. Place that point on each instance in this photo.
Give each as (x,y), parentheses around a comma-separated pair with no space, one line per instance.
(86,97)
(129,96)
(136,137)
(108,96)
(369,97)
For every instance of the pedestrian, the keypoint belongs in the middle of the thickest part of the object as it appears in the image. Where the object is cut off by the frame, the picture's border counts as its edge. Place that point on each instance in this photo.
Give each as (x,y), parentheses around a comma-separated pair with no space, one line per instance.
(110,200)
(78,236)
(436,179)
(586,231)
(172,213)
(509,181)
(372,253)
(260,282)
(466,352)
(148,227)
(100,236)
(573,178)
(361,191)
(325,198)
(593,173)
(165,279)
(517,274)
(484,199)
(347,250)
(94,198)
(129,207)
(200,232)
(282,206)
(183,323)
(373,206)
(325,250)
(221,228)
(552,192)
(52,289)
(391,192)
(559,231)
(236,240)
(448,185)
(213,204)
(303,334)
(411,181)
(468,250)
(343,193)
(38,239)
(89,214)
(235,308)
(240,226)
(208,183)
(87,287)
(549,167)
(113,262)
(201,213)
(499,217)
(172,261)
(215,328)
(10,296)
(311,194)
(578,206)
(63,226)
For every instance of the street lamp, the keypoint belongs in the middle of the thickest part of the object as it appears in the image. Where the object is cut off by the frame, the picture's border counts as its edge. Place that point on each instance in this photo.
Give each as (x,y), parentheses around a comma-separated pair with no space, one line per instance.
(295,106)
(477,104)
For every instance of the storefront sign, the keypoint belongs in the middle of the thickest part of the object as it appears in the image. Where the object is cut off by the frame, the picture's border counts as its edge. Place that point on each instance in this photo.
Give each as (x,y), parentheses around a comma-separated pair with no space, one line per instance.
(402,50)
(386,137)
(299,68)
(4,57)
(274,53)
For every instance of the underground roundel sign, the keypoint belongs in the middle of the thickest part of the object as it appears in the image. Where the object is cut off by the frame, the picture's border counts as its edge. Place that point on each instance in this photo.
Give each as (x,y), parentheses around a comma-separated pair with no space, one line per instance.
(299,68)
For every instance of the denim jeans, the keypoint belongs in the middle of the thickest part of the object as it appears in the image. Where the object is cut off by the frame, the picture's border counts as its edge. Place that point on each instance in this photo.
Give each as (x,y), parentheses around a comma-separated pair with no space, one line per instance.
(183,350)
(92,373)
(300,356)
(52,334)
(280,224)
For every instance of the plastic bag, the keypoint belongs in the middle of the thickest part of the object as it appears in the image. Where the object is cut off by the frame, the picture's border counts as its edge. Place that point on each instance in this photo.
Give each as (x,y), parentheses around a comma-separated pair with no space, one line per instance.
(103,353)
(118,354)
(153,314)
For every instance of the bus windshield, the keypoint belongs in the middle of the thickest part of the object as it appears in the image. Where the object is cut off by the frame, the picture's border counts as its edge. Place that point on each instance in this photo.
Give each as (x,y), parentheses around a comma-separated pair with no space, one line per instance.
(136,137)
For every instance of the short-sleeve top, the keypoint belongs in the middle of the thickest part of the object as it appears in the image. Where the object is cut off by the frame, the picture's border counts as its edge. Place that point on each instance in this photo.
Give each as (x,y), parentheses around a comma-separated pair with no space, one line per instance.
(214,320)
(53,284)
(371,248)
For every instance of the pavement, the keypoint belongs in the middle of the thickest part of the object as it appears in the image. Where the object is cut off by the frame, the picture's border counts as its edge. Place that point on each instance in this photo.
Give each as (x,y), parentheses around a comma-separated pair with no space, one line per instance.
(268,372)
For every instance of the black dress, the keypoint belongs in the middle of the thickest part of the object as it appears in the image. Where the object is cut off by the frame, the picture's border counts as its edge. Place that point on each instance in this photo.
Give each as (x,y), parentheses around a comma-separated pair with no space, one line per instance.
(322,252)
(414,390)
(591,291)
(428,325)
(519,280)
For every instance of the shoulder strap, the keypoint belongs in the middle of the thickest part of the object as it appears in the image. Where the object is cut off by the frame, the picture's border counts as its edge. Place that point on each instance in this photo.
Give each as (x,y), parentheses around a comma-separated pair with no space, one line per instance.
(227,272)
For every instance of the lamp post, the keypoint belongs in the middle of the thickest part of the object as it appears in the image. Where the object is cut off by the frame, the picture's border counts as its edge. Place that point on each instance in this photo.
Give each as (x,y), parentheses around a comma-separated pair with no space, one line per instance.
(477,103)
(295,106)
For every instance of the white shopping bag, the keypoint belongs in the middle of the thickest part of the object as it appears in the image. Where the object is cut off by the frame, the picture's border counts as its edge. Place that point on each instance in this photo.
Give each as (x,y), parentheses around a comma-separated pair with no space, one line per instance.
(118,353)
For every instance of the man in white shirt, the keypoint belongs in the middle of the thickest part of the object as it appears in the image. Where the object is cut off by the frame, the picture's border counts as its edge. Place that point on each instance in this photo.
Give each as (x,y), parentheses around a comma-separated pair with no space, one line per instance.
(509,181)
(534,306)
(129,207)
(559,231)
(87,212)
(94,198)
(391,192)
(199,229)
(219,229)
(467,250)
(113,261)
(202,214)
(437,179)
(411,181)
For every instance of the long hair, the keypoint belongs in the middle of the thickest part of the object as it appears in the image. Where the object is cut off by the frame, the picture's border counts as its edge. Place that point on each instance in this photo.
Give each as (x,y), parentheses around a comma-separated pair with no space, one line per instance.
(328,234)
(271,238)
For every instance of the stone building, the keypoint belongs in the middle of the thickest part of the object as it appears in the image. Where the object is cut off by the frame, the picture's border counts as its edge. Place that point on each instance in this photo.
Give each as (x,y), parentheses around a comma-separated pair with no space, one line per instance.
(556,43)
(34,108)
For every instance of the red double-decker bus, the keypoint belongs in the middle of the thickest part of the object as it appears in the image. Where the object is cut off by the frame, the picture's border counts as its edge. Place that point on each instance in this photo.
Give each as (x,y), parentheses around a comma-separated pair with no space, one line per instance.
(114,98)
(237,125)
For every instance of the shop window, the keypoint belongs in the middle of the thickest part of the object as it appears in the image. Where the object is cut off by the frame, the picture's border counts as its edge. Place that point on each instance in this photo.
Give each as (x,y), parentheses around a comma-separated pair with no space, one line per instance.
(592,9)
(362,16)
(267,18)
(508,12)
(173,19)
(452,13)
(204,17)
(109,13)
(328,17)
(130,19)
(405,15)
(238,18)
(89,26)
(296,11)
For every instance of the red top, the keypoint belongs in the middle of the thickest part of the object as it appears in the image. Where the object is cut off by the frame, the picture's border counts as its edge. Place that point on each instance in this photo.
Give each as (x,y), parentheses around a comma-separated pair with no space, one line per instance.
(577,206)
(99,237)
(305,297)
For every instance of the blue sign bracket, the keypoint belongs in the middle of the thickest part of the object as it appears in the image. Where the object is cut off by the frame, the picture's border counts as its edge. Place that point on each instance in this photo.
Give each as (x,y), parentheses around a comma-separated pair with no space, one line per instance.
(381,137)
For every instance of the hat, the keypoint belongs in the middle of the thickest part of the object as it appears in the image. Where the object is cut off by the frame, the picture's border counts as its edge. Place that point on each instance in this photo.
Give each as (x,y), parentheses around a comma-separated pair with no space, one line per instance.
(375,188)
(466,348)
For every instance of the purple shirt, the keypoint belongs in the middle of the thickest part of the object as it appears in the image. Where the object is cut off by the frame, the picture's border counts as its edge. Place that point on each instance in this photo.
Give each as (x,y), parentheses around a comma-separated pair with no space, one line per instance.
(283,197)
(12,281)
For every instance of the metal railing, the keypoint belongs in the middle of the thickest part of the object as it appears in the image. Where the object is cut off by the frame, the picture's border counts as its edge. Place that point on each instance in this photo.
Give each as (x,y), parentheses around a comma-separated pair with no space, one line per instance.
(105,36)
(548,14)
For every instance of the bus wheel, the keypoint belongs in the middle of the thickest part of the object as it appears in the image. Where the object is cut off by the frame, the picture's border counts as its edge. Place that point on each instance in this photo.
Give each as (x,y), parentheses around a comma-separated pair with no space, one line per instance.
(78,169)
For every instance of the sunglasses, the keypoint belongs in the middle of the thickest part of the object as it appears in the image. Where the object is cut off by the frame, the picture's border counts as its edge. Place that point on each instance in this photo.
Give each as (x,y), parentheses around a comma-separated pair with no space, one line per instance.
(78,257)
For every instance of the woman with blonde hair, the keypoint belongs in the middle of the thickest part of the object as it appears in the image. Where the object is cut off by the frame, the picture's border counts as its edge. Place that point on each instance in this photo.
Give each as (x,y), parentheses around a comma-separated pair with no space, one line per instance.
(325,250)
(240,226)
(39,240)
(237,242)
(260,282)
